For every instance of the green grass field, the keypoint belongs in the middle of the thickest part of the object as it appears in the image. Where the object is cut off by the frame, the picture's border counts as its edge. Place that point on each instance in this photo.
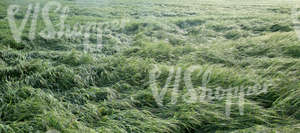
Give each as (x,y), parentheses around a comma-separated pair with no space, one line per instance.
(56,84)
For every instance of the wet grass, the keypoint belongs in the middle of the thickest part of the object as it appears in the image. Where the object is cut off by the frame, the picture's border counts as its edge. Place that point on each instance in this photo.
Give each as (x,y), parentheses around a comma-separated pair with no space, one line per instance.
(55,84)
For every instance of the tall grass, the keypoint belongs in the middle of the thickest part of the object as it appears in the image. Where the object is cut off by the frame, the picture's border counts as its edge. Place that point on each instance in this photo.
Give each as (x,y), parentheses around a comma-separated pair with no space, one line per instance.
(55,85)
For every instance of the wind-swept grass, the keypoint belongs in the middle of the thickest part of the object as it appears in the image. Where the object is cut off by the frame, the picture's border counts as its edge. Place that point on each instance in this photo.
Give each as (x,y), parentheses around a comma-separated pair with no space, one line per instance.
(53,84)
